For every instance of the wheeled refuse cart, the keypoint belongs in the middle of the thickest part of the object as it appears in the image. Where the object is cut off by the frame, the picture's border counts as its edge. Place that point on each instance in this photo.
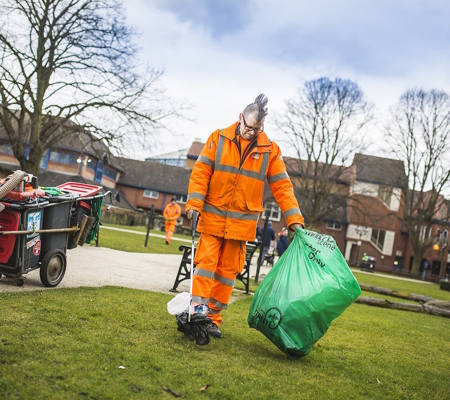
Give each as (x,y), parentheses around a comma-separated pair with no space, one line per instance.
(38,226)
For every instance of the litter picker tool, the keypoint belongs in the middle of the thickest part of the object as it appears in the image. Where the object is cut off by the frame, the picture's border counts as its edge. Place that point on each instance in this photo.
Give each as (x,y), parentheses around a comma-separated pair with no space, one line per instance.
(194,227)
(193,324)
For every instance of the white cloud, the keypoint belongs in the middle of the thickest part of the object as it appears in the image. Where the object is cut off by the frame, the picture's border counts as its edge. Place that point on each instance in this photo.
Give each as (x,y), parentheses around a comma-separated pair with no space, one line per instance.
(387,47)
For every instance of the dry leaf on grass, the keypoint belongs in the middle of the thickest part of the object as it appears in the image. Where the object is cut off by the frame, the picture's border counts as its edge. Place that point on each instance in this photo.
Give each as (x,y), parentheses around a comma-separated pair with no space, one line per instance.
(378,381)
(204,387)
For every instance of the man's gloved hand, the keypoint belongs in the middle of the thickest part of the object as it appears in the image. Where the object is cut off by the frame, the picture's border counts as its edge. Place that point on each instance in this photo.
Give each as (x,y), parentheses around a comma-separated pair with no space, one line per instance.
(189,213)
(293,227)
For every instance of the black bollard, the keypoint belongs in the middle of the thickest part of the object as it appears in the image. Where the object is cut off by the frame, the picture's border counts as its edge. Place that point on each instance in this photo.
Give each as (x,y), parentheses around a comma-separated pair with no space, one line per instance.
(149,224)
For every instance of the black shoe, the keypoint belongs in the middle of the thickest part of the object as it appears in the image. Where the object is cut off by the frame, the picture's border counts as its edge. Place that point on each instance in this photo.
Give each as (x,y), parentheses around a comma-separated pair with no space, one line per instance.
(213,330)
(167,242)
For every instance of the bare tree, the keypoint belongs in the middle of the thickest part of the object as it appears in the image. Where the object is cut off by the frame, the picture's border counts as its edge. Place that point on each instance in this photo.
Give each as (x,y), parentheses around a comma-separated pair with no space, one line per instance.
(69,66)
(325,124)
(419,133)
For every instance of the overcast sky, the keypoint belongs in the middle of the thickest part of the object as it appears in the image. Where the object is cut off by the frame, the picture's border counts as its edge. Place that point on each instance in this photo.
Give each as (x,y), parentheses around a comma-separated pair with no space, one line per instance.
(219,55)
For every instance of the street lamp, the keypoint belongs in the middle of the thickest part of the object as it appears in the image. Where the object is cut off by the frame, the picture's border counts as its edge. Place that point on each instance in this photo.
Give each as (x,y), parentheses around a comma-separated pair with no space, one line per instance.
(361,231)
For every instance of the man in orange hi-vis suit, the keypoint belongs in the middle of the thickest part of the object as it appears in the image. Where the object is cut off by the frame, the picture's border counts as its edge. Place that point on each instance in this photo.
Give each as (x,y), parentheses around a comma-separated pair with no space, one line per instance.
(171,213)
(226,188)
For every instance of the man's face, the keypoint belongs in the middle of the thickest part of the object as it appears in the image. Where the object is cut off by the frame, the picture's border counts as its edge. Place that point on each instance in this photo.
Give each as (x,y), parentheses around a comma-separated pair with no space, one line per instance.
(173,202)
(249,128)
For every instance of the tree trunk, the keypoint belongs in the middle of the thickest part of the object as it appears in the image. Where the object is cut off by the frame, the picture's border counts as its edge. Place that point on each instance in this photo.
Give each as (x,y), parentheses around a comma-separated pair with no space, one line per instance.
(30,166)
(417,262)
(395,293)
(422,308)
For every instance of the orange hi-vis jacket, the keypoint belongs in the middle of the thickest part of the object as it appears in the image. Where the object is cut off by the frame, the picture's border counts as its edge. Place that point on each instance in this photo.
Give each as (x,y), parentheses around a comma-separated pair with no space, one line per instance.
(229,195)
(173,212)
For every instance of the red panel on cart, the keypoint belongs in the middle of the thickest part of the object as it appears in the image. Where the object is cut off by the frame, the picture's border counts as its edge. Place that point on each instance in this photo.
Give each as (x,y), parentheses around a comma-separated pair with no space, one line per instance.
(21,196)
(83,189)
(9,221)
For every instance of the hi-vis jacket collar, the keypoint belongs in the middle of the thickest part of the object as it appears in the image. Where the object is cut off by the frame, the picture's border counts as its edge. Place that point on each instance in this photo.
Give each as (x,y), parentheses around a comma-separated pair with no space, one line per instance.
(229,133)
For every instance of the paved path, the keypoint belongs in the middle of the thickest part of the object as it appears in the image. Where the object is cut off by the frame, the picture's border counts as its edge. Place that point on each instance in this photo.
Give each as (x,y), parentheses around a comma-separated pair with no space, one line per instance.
(99,266)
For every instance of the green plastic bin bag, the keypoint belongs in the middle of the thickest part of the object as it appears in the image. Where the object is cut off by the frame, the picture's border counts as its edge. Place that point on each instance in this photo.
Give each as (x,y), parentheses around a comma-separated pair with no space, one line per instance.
(309,286)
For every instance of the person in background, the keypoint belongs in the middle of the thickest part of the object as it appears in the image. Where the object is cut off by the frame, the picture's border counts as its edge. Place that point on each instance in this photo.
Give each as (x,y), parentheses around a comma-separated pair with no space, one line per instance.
(426,268)
(283,242)
(270,235)
(171,213)
(258,233)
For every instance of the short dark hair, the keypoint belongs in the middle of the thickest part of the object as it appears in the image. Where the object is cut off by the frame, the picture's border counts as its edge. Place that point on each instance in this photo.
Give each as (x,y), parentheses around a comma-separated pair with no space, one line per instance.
(173,199)
(258,108)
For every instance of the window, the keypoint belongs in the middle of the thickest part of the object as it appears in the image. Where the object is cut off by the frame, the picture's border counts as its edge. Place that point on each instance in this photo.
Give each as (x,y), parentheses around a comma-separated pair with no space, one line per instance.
(91,164)
(378,237)
(99,171)
(273,211)
(445,234)
(334,225)
(54,156)
(63,157)
(44,160)
(438,234)
(110,173)
(181,198)
(6,148)
(385,194)
(153,194)
(425,232)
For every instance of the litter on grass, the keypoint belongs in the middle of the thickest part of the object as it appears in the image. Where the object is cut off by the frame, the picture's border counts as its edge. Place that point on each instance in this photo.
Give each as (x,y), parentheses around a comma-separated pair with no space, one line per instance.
(179,303)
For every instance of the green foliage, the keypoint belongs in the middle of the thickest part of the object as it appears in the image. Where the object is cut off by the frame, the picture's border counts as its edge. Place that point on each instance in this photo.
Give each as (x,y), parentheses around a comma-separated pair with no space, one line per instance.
(64,344)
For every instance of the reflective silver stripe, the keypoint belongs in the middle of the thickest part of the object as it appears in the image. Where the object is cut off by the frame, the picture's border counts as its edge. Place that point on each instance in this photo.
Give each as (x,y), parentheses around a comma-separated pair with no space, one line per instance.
(218,304)
(206,160)
(198,299)
(224,281)
(227,168)
(292,211)
(214,210)
(213,312)
(261,175)
(219,148)
(252,174)
(264,164)
(196,195)
(243,216)
(278,177)
(204,272)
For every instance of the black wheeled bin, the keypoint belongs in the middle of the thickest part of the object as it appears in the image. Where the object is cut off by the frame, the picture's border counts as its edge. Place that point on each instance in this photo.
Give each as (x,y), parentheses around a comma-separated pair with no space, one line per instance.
(368,263)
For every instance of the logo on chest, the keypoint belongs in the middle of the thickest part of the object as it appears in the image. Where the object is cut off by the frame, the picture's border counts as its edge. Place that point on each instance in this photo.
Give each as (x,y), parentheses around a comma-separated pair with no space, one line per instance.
(256,156)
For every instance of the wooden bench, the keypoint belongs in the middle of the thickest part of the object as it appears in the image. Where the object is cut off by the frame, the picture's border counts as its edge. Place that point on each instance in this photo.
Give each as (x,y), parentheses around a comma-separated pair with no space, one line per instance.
(184,269)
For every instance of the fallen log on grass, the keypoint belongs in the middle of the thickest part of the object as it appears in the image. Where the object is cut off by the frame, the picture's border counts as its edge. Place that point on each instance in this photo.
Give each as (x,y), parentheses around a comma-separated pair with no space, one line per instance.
(396,293)
(422,308)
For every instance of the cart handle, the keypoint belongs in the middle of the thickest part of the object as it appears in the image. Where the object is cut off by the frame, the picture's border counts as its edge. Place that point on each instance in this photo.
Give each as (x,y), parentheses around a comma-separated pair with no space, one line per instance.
(55,230)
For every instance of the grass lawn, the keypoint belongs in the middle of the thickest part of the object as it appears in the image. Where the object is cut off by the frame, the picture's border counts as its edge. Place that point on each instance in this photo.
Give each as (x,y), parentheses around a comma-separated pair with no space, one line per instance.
(144,229)
(135,243)
(65,344)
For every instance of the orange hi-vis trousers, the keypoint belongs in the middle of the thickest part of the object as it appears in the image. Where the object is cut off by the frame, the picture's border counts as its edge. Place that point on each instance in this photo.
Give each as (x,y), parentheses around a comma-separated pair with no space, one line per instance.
(170,228)
(217,263)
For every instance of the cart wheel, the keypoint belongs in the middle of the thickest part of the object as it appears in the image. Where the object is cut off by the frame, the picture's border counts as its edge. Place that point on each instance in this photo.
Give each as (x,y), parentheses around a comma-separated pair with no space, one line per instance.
(20,282)
(53,267)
